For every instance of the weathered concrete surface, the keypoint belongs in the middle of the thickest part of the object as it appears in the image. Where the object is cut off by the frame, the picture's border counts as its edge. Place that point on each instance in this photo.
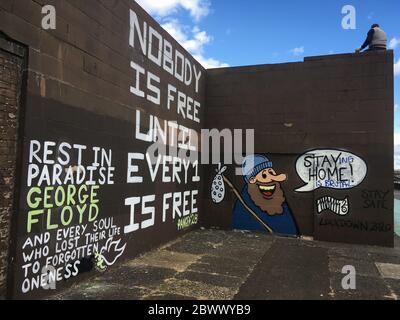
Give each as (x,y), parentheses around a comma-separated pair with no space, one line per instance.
(216,265)
(201,265)
(296,269)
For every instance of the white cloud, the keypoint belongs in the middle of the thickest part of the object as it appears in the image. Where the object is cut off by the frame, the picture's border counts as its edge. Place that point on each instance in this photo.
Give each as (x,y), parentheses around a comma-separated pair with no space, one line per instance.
(397,68)
(176,30)
(193,40)
(210,62)
(162,8)
(394,43)
(297,51)
(396,107)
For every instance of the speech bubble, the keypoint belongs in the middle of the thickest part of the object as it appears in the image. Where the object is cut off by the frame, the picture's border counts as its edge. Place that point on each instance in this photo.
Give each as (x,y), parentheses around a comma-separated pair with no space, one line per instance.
(330,168)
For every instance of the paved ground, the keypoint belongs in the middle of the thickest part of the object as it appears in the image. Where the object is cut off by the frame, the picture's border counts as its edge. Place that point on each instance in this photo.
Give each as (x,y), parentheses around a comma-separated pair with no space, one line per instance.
(211,264)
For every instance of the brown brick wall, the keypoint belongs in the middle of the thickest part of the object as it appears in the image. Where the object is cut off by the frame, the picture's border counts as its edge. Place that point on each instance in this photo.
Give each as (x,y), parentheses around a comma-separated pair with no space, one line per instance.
(339,101)
(78,92)
(11,67)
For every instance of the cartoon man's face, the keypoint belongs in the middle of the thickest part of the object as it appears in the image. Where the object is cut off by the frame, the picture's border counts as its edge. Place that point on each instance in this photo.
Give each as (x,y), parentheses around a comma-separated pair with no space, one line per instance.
(266,192)
(267,182)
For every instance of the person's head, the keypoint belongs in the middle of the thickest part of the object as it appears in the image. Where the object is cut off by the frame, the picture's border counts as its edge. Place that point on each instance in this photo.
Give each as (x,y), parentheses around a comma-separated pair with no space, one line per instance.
(264,184)
(375,25)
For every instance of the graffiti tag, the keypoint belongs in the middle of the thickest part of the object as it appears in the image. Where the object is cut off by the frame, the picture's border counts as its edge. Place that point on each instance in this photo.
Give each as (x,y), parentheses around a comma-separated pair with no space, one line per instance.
(375,199)
(363,226)
(339,207)
(109,254)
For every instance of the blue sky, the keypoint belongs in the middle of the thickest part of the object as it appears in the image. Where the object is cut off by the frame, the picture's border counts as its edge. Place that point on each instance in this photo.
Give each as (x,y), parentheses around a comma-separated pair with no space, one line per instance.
(245,32)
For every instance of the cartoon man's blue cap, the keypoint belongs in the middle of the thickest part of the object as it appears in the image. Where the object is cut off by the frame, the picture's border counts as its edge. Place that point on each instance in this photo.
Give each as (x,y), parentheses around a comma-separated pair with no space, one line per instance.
(252,165)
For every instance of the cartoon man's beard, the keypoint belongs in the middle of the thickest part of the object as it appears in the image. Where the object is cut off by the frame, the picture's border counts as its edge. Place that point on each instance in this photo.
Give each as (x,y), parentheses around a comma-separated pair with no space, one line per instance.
(273,205)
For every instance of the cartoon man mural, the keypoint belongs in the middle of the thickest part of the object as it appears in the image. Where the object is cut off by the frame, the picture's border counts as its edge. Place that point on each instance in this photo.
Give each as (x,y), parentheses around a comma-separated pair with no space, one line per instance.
(264,195)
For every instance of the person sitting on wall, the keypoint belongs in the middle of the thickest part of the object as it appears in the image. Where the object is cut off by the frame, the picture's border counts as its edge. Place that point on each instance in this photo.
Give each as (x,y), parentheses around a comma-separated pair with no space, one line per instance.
(376,39)
(264,195)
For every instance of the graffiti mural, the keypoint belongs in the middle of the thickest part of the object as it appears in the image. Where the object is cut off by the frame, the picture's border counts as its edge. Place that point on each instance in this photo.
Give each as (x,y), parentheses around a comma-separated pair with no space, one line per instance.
(63,224)
(95,188)
(332,169)
(218,185)
(339,207)
(261,205)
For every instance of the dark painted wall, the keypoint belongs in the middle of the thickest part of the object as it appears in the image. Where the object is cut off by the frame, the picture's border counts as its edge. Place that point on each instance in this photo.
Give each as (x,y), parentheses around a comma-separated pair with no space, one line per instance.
(82,116)
(340,102)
